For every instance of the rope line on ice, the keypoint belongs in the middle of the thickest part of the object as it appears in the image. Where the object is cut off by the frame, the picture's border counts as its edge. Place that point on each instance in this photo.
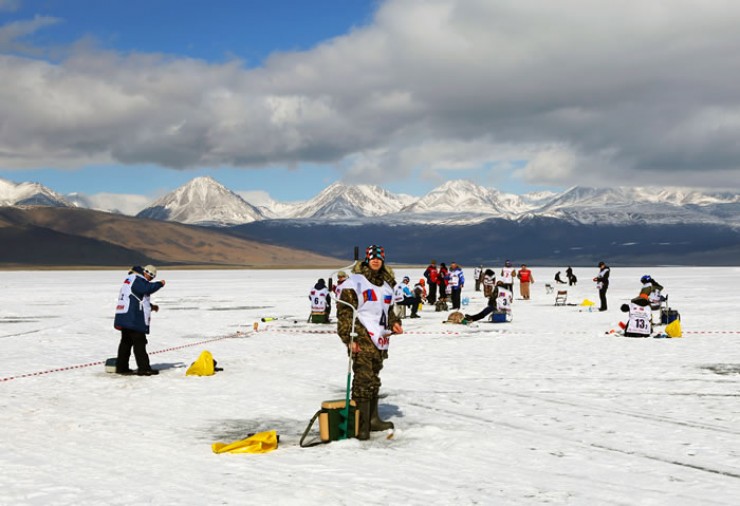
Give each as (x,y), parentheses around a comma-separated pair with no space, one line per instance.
(447,332)
(711,331)
(307,331)
(101,362)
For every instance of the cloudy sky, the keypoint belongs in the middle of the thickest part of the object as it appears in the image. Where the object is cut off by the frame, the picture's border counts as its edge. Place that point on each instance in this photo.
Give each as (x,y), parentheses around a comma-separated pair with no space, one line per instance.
(286,97)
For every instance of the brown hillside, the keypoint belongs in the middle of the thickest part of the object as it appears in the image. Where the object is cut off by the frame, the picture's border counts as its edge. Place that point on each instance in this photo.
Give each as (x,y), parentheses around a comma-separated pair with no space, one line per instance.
(166,242)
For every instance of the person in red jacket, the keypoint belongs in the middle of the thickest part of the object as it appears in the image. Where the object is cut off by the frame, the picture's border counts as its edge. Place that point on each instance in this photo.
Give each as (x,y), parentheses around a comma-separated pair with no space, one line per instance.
(442,274)
(525,279)
(431,274)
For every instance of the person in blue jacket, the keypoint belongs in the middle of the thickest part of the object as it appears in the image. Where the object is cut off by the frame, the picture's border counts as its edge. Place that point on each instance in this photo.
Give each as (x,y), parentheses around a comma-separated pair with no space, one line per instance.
(133,313)
(456,281)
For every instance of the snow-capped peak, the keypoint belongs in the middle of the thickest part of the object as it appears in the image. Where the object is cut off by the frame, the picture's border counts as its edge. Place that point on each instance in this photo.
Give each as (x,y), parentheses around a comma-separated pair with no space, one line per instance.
(202,201)
(29,194)
(338,201)
(465,197)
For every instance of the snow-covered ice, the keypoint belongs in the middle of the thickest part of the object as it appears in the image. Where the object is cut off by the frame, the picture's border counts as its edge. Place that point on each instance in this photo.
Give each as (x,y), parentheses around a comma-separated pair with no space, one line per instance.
(545,409)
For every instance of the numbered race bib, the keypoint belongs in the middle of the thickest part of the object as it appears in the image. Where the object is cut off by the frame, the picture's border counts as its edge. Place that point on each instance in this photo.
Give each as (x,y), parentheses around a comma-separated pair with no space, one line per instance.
(318,300)
(373,303)
(639,322)
(503,302)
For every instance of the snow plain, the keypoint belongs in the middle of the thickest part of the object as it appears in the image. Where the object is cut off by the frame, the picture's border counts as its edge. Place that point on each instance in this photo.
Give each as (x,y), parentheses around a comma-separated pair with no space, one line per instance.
(545,409)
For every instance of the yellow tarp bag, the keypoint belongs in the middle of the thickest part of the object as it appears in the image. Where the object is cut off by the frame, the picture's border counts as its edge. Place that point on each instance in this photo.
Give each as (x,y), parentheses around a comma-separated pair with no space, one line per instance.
(262,442)
(203,366)
(673,329)
(587,302)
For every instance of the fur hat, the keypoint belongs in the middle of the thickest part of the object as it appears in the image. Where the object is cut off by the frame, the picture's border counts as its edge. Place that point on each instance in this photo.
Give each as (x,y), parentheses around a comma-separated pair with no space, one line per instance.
(455,317)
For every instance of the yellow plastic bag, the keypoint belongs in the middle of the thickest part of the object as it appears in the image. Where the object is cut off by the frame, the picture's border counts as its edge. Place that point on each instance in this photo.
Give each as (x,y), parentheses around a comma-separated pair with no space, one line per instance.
(673,329)
(587,302)
(204,366)
(262,442)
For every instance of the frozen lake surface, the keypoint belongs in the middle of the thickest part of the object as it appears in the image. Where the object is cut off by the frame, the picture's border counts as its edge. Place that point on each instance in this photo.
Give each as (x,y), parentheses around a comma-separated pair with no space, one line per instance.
(546,409)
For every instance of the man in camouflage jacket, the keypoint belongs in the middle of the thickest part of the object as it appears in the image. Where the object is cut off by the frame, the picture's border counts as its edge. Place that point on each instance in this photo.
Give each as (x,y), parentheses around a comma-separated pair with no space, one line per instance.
(369,348)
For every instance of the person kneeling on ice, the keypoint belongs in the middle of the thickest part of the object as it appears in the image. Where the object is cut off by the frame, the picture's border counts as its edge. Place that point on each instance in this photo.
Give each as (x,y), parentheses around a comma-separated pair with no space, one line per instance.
(640,317)
(369,290)
(133,313)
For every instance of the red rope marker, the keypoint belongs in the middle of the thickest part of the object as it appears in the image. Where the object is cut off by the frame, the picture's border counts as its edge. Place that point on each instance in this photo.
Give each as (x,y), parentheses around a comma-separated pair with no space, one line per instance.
(101,362)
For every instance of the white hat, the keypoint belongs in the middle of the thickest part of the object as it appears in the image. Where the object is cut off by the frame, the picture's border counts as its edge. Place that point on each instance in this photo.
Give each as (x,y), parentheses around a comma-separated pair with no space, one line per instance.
(151,270)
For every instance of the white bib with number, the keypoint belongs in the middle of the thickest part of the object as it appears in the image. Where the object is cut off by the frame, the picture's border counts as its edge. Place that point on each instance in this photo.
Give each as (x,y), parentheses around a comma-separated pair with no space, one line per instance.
(503,302)
(639,322)
(373,303)
(318,300)
(507,275)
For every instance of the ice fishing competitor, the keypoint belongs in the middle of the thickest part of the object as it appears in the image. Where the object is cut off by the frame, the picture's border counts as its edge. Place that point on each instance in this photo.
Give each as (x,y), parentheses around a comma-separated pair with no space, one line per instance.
(133,312)
(369,289)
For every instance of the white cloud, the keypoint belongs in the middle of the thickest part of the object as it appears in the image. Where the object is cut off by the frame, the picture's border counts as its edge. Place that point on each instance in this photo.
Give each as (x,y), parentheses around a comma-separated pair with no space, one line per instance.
(11,34)
(573,89)
(123,203)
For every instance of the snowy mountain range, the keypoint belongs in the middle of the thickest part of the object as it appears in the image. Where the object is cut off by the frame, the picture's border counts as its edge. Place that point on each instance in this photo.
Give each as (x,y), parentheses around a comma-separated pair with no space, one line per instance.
(204,201)
(29,194)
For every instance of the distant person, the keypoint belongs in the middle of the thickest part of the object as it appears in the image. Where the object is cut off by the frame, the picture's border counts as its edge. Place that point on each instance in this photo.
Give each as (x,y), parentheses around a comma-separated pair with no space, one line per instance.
(341,278)
(572,280)
(490,307)
(558,279)
(525,280)
(456,282)
(370,291)
(442,281)
(505,298)
(602,284)
(653,290)
(508,273)
(639,323)
(489,282)
(133,315)
(404,295)
(478,276)
(420,289)
(431,276)
(320,302)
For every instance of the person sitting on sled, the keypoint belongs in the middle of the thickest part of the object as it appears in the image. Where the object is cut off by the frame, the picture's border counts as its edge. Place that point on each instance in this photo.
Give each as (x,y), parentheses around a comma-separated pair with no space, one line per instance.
(490,307)
(320,302)
(653,290)
(404,296)
(640,317)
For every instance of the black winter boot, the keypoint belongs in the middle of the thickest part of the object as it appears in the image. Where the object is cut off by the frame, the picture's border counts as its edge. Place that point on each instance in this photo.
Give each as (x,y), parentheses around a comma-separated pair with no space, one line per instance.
(364,407)
(376,424)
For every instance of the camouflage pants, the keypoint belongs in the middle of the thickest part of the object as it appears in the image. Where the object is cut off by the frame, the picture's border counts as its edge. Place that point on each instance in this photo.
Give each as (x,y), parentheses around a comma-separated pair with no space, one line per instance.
(366,367)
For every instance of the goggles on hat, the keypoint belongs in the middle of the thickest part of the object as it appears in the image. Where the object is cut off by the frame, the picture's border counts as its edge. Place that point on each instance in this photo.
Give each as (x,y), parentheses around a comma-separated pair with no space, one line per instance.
(375,252)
